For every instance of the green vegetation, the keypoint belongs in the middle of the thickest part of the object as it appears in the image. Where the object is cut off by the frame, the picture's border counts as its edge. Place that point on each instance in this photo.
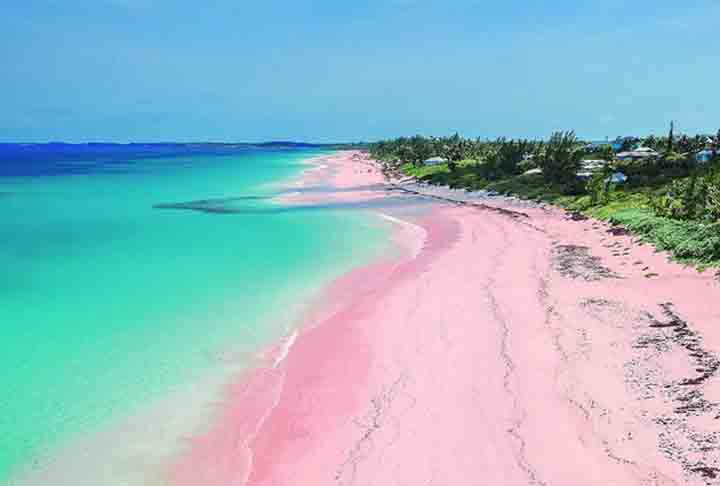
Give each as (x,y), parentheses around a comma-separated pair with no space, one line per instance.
(688,241)
(668,200)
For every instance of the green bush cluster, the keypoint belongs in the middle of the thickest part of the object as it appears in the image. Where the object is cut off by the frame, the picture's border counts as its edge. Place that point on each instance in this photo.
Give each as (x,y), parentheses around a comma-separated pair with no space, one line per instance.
(599,187)
(561,157)
(688,241)
(693,198)
(415,150)
(493,159)
(644,171)
(507,158)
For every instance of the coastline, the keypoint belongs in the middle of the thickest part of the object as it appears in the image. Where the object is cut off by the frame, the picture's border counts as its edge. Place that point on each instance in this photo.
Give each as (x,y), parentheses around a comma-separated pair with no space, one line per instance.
(495,352)
(222,455)
(137,447)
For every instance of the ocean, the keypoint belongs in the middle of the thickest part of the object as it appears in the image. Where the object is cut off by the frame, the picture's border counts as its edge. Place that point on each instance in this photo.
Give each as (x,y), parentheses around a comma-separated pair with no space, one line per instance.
(125,277)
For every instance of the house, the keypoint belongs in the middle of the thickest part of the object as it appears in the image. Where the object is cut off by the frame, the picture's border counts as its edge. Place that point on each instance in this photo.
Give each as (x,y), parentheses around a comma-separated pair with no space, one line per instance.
(435,161)
(638,154)
(617,178)
(644,152)
(597,146)
(589,167)
(534,171)
(705,156)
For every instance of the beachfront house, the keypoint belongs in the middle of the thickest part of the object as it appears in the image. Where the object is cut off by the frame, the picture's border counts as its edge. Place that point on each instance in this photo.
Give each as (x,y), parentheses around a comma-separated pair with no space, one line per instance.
(535,171)
(593,147)
(638,154)
(435,161)
(705,156)
(617,178)
(589,167)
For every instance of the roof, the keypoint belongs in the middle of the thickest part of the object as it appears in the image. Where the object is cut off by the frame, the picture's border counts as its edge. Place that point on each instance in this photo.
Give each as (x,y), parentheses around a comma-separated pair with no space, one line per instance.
(536,170)
(640,153)
(618,177)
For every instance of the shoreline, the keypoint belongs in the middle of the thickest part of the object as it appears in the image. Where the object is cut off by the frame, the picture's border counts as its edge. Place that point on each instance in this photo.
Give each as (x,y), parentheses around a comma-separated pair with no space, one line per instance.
(137,448)
(214,456)
(511,346)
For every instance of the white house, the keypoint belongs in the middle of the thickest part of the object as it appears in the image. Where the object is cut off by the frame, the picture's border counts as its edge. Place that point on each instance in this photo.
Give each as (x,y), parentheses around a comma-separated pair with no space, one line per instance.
(589,167)
(638,153)
(435,161)
(534,171)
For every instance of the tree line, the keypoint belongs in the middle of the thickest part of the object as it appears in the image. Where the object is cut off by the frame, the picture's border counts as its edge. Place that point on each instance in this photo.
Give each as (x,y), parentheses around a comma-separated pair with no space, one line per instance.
(678,186)
(559,157)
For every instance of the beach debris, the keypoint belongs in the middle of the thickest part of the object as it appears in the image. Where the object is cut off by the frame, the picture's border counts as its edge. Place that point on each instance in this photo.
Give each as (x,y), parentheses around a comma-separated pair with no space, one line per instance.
(619,231)
(413,190)
(683,440)
(671,399)
(576,262)
(577,216)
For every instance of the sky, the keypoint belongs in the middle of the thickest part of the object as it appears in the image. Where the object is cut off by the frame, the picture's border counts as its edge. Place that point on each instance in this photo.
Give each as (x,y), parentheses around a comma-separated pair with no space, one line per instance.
(331,70)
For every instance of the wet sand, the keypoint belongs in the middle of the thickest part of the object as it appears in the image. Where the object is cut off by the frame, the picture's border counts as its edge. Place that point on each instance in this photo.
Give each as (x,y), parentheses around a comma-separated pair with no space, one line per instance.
(508,344)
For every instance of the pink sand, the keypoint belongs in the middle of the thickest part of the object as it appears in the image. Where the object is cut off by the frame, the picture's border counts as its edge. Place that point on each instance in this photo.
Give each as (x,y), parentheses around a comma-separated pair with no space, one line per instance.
(477,361)
(351,171)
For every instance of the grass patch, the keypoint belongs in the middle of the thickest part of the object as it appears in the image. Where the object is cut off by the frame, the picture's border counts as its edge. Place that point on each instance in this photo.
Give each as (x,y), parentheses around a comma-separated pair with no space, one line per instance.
(688,241)
(466,175)
(528,187)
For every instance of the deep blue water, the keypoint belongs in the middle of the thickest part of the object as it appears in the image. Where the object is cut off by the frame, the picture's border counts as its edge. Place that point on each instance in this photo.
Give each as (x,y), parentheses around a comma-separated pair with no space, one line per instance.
(49,159)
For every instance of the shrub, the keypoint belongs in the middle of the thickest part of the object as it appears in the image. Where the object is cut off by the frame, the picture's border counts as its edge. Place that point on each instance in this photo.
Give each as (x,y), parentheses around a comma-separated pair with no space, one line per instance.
(505,158)
(560,160)
(455,149)
(712,195)
(686,240)
(599,187)
(696,197)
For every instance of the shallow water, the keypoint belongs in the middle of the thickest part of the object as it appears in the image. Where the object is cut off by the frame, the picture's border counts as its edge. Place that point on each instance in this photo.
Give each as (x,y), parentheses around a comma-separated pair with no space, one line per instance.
(107,302)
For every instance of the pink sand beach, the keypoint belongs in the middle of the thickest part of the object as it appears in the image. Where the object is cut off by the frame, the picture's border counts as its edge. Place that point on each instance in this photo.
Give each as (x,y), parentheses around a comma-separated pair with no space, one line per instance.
(505,344)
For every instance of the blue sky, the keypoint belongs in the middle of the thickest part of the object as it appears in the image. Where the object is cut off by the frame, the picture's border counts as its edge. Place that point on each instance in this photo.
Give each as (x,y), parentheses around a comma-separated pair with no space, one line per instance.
(327,70)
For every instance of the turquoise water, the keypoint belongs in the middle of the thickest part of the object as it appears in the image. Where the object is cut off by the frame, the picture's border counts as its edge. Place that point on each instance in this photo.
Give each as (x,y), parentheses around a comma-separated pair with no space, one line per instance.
(107,302)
